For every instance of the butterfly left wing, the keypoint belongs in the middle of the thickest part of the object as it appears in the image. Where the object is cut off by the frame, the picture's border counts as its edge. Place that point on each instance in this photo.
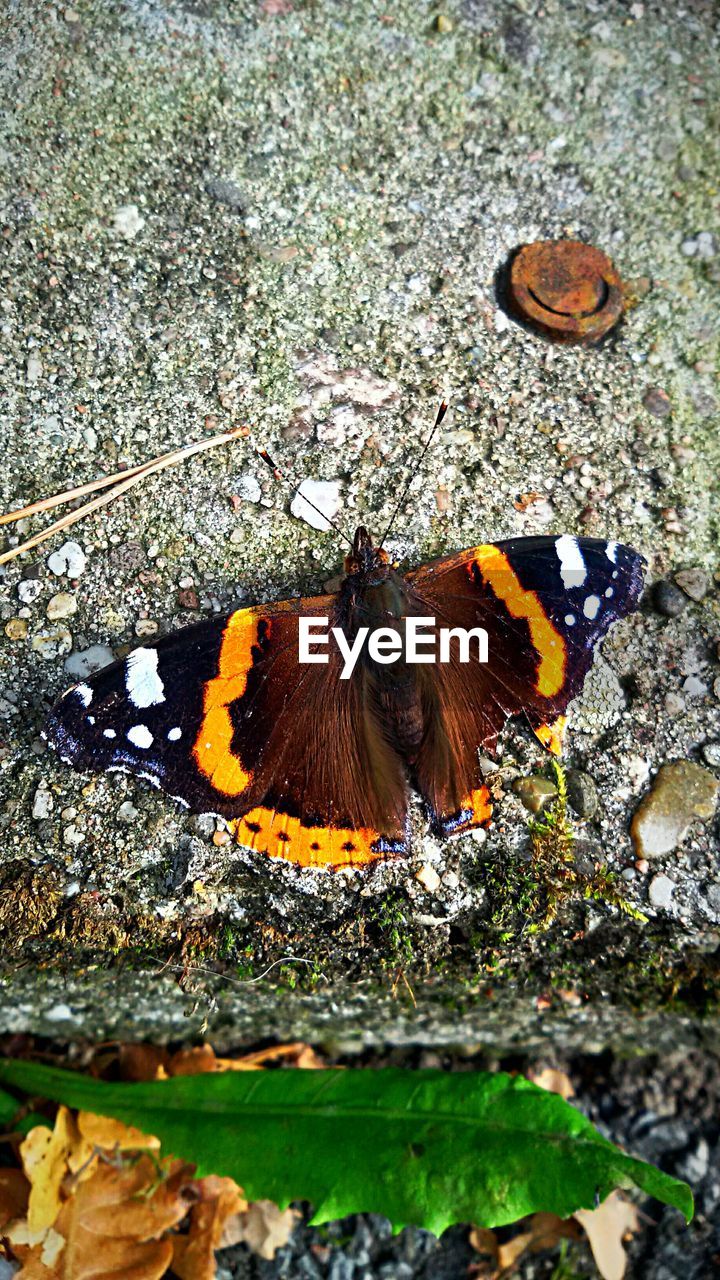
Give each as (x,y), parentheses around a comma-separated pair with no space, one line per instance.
(545,603)
(225,718)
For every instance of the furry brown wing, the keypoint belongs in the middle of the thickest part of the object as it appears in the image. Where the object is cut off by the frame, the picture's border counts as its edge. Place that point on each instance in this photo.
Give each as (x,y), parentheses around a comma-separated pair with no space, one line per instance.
(225,718)
(544,603)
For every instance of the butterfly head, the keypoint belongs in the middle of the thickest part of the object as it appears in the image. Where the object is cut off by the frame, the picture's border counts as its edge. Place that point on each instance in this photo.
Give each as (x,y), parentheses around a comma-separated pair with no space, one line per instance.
(366,559)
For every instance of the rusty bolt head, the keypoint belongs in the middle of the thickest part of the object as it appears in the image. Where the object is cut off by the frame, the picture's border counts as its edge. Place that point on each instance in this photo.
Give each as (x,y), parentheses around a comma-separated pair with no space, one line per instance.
(566,289)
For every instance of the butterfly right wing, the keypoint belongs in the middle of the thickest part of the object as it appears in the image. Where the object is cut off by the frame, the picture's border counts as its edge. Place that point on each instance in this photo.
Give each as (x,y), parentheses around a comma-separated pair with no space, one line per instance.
(544,603)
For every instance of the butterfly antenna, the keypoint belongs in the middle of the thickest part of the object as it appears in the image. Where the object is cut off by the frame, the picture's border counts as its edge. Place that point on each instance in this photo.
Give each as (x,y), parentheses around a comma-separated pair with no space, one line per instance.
(440,415)
(279,475)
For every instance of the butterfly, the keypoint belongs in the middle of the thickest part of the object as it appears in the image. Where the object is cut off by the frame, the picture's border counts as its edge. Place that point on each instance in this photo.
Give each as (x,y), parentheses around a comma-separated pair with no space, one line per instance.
(313,767)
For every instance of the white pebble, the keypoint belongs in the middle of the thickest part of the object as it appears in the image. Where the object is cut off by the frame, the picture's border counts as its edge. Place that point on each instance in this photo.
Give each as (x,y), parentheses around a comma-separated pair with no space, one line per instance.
(42,803)
(70,560)
(660,891)
(29,590)
(58,1013)
(248,488)
(128,221)
(324,494)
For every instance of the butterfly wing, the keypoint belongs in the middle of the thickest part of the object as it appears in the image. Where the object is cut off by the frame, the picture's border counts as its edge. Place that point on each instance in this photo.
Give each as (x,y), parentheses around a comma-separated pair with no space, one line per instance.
(545,603)
(225,718)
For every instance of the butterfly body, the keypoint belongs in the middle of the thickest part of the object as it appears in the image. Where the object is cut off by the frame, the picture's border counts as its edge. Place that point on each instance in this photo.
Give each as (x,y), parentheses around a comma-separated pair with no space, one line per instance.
(312,764)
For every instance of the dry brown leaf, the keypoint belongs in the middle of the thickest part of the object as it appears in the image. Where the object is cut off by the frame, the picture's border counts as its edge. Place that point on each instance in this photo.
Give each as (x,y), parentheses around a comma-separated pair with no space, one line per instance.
(512,1250)
(14,1192)
(33,1268)
(606,1227)
(45,1156)
(194,1254)
(114,1222)
(192,1062)
(298,1053)
(545,1231)
(263,1228)
(484,1241)
(142,1062)
(202,1059)
(554,1081)
(111,1135)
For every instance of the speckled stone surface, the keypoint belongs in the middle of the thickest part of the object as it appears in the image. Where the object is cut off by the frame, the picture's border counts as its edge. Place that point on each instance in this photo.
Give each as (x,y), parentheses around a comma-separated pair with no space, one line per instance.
(295,216)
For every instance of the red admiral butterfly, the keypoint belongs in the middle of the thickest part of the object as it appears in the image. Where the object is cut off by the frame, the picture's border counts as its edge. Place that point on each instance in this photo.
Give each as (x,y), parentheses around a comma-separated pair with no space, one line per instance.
(312,767)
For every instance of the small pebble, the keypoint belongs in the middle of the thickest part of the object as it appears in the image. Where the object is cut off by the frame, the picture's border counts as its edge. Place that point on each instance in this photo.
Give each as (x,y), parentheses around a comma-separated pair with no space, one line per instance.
(629,874)
(127,812)
(225,192)
(188,598)
(657,402)
(711,754)
(145,627)
(668,599)
(324,494)
(127,221)
(203,824)
(681,792)
(694,582)
(428,878)
(675,704)
(16,629)
(70,560)
(660,891)
(63,605)
(694,687)
(34,368)
(29,590)
(535,793)
(52,643)
(248,488)
(84,662)
(451,880)
(582,793)
(43,803)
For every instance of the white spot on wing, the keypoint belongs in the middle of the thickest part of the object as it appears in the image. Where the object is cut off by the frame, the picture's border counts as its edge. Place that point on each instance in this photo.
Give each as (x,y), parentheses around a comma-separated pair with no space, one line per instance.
(109,733)
(591,606)
(610,592)
(611,551)
(140,736)
(84,693)
(144,686)
(174,734)
(572,564)
(569,619)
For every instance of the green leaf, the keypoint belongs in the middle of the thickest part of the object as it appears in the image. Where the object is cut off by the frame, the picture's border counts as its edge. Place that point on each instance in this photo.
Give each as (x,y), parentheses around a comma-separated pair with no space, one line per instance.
(425,1147)
(9,1108)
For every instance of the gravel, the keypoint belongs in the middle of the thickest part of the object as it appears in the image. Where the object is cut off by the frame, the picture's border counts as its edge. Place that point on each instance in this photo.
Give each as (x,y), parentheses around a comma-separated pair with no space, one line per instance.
(144,305)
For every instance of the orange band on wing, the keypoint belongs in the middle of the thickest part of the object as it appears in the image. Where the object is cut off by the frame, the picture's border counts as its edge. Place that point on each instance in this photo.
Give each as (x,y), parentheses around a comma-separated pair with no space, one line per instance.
(552,735)
(213,745)
(281,836)
(497,572)
(475,811)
